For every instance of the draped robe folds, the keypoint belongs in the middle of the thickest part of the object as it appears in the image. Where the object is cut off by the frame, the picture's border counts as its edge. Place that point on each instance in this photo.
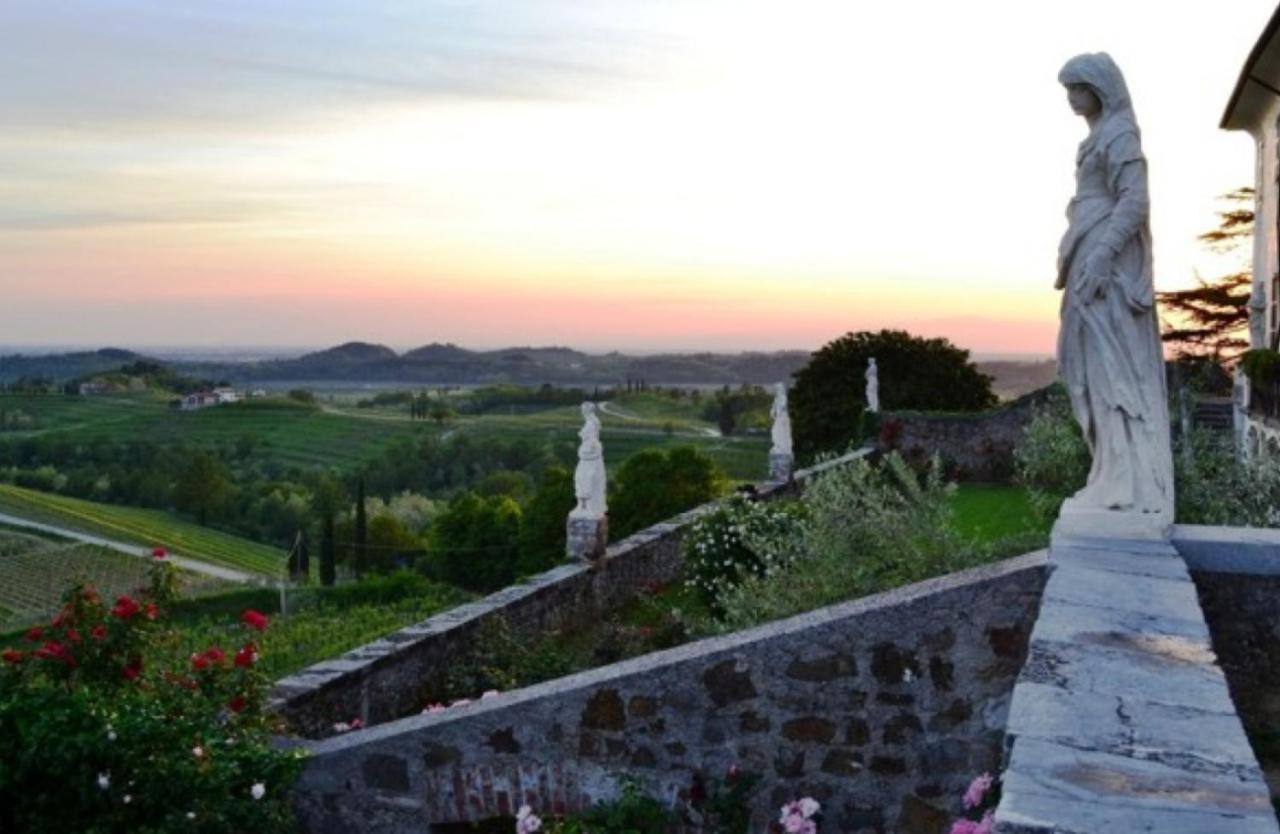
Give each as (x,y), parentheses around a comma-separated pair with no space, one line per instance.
(1109,351)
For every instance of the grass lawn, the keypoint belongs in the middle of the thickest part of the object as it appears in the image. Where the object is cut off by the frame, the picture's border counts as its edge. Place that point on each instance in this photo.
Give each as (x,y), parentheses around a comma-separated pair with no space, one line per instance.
(149,528)
(989,513)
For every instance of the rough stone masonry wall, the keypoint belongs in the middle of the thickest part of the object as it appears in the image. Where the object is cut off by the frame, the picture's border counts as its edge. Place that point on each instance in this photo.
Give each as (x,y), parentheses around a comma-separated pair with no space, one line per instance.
(882,708)
(398,674)
(973,447)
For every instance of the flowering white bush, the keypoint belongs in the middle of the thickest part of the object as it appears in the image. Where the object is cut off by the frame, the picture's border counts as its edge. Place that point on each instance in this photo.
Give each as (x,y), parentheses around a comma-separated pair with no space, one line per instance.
(740,539)
(799,817)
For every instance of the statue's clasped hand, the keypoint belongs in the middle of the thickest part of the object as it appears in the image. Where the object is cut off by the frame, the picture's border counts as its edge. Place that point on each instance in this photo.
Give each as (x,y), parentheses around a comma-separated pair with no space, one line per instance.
(1096,275)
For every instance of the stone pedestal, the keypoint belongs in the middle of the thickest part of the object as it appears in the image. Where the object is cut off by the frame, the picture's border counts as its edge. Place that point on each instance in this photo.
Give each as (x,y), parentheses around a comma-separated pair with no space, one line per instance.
(587,537)
(1079,522)
(780,466)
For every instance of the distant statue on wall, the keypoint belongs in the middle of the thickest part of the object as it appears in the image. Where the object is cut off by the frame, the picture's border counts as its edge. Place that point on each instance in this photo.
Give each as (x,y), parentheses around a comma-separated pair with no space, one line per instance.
(781,422)
(1109,352)
(873,386)
(589,478)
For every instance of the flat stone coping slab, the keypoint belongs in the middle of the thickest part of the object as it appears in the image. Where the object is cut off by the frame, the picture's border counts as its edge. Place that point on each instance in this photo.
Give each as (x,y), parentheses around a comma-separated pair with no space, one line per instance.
(1121,720)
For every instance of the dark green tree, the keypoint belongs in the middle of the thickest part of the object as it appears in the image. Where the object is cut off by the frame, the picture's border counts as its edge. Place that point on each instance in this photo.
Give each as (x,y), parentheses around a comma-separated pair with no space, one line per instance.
(361,543)
(474,543)
(1211,319)
(327,498)
(653,485)
(203,488)
(916,373)
(542,527)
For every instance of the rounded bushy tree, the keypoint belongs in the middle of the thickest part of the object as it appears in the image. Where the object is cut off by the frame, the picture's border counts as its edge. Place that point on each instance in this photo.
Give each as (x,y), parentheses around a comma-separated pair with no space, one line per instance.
(916,373)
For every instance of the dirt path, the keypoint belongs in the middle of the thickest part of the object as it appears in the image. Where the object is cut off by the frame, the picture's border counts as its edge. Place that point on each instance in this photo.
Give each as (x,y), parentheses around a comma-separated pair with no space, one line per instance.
(607,407)
(193,565)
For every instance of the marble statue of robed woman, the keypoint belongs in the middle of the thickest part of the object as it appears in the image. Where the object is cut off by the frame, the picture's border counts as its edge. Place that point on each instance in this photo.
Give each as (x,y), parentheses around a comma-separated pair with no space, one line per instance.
(589,477)
(781,422)
(1109,352)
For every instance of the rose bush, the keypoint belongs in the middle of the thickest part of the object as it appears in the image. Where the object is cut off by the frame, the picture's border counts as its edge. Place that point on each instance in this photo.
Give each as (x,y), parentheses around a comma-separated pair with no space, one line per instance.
(109,728)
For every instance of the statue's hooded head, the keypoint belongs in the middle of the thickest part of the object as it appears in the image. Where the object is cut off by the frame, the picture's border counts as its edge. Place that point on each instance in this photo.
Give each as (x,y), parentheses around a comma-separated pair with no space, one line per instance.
(588,408)
(1100,73)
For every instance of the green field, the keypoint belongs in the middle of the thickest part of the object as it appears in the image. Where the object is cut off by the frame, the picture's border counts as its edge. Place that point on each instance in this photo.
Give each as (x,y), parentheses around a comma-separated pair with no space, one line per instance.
(35,571)
(296,434)
(149,528)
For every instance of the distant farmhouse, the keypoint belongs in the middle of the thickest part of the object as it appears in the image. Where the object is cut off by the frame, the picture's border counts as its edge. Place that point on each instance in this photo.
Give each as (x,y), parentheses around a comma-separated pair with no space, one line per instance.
(1255,107)
(207,399)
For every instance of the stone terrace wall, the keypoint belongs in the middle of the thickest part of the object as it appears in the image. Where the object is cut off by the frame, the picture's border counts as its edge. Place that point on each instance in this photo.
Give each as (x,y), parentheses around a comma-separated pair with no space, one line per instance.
(883,709)
(1237,574)
(396,675)
(974,447)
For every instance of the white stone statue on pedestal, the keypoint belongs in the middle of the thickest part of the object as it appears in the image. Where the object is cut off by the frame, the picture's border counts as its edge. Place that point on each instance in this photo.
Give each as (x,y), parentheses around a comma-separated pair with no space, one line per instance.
(589,479)
(873,386)
(1109,351)
(781,421)
(781,458)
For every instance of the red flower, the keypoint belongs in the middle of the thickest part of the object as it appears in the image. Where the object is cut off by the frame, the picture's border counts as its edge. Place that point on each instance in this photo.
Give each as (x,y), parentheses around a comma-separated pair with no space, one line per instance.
(133,670)
(254,620)
(215,655)
(199,662)
(152,611)
(159,553)
(12,656)
(64,616)
(73,635)
(99,632)
(236,704)
(357,724)
(126,608)
(247,656)
(35,634)
(53,650)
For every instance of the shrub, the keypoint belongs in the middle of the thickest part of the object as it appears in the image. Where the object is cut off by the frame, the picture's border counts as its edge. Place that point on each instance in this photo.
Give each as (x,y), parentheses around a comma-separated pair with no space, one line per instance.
(868,529)
(1052,461)
(1213,486)
(739,540)
(108,729)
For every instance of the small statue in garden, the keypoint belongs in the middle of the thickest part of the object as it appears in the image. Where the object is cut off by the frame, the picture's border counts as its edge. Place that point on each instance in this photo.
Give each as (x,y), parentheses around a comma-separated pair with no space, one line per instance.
(589,479)
(781,421)
(873,386)
(1109,351)
(781,458)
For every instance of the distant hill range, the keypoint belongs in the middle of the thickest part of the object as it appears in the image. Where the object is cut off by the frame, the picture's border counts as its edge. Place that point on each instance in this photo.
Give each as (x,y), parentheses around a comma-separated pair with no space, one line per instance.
(447,364)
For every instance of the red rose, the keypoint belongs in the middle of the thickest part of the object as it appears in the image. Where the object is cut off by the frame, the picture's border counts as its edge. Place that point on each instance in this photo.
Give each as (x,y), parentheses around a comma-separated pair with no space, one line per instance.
(159,553)
(236,704)
(133,670)
(215,655)
(247,656)
(126,608)
(199,662)
(99,632)
(53,650)
(73,635)
(152,611)
(12,656)
(254,620)
(35,634)
(64,616)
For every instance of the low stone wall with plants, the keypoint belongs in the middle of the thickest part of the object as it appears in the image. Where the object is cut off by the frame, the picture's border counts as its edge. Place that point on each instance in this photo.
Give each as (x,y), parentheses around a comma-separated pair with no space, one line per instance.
(976,447)
(882,709)
(400,673)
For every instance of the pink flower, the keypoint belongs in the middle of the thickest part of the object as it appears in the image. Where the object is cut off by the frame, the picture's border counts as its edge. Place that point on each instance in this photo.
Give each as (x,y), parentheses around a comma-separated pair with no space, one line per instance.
(527,821)
(432,709)
(159,553)
(461,702)
(964,827)
(977,791)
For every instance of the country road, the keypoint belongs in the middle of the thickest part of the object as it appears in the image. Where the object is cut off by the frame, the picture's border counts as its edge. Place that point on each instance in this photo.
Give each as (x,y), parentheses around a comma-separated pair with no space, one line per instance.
(607,407)
(193,565)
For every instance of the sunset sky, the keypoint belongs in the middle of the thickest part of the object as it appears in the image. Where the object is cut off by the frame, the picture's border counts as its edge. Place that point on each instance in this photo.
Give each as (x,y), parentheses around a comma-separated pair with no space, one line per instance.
(665,174)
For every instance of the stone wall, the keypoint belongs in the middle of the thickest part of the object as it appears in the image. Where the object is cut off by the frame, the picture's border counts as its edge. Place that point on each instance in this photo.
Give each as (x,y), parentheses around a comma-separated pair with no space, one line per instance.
(975,447)
(882,708)
(396,675)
